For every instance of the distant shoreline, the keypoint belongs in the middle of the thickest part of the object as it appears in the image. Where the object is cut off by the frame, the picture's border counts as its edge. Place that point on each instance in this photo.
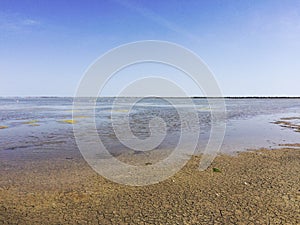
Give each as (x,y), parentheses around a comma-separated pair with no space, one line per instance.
(193,97)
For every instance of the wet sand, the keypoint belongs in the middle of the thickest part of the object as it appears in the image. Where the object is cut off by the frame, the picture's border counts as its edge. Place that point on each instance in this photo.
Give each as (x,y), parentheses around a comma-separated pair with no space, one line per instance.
(259,187)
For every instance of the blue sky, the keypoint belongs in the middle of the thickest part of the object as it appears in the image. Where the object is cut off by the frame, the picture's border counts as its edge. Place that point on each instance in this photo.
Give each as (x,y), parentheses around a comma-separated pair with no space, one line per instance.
(252,47)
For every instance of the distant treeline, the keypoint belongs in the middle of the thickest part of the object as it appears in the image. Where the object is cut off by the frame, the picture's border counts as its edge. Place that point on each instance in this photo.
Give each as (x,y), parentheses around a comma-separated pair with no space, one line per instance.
(196,97)
(252,97)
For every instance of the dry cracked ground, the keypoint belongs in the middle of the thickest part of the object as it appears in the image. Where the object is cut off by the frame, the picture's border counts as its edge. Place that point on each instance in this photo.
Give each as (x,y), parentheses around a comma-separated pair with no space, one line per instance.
(259,187)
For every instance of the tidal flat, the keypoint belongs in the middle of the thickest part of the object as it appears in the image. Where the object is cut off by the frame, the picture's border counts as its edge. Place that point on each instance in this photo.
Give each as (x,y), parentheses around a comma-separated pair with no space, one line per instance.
(253,180)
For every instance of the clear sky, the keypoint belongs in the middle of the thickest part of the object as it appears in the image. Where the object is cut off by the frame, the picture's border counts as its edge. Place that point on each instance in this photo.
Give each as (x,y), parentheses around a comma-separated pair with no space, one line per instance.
(253,47)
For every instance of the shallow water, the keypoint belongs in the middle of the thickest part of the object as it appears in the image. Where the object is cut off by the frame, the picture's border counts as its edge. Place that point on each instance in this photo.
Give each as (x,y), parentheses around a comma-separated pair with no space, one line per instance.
(38,126)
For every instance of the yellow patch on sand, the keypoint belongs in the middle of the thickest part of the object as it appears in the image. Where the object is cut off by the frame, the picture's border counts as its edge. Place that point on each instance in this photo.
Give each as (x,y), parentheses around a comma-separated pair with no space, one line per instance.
(80,117)
(30,122)
(204,109)
(69,121)
(34,124)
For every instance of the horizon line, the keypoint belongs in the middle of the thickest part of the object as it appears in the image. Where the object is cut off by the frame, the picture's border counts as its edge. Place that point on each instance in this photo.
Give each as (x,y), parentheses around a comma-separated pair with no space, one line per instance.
(233,96)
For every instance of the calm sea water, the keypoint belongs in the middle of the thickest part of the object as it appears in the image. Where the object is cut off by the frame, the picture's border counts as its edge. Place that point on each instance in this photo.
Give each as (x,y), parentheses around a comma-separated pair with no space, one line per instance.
(38,125)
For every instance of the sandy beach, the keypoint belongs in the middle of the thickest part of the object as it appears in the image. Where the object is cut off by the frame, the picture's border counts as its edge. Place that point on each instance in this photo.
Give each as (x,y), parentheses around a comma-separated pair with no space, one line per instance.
(257,187)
